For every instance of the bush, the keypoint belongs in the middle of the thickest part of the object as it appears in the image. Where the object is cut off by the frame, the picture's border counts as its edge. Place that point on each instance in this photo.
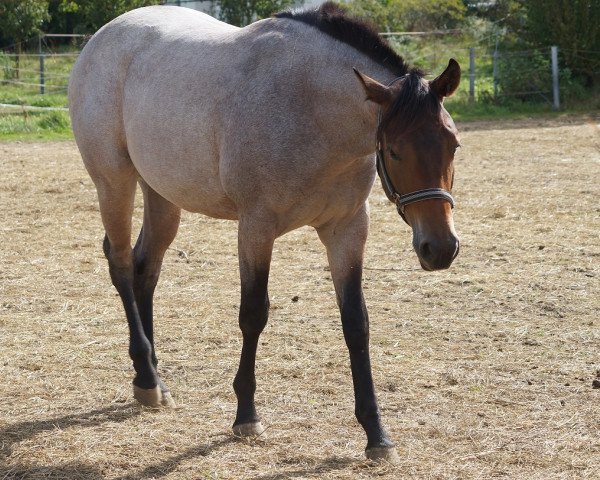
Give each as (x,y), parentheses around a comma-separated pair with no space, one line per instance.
(526,76)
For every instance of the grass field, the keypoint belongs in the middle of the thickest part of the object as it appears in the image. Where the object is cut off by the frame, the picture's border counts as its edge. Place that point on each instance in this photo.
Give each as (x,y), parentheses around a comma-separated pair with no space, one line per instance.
(482,371)
(429,53)
(24,90)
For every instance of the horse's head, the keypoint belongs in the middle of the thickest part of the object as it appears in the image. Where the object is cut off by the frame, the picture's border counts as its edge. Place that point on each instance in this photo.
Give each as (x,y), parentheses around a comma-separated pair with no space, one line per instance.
(417,140)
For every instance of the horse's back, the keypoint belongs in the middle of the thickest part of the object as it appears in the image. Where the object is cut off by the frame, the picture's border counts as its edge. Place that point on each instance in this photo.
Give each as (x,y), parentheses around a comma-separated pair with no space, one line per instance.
(214,118)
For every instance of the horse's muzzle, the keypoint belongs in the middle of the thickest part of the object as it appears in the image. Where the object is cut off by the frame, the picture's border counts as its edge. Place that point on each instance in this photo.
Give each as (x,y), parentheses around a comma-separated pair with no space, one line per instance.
(436,253)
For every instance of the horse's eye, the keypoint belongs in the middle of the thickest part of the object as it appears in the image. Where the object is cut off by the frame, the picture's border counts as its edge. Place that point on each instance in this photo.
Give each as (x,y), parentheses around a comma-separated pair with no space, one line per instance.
(393,155)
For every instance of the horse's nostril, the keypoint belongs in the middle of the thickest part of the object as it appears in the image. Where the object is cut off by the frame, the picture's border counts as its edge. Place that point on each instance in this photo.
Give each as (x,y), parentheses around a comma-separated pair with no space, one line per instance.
(456,249)
(425,250)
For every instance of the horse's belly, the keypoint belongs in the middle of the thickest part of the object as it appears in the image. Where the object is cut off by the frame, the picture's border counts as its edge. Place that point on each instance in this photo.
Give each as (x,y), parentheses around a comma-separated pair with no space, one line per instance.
(191,185)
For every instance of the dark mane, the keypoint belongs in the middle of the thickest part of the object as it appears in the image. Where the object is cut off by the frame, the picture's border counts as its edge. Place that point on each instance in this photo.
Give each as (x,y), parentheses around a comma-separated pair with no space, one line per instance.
(334,20)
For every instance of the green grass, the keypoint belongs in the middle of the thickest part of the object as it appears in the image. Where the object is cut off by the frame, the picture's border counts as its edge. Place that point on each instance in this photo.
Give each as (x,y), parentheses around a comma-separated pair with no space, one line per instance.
(34,125)
(53,125)
(431,54)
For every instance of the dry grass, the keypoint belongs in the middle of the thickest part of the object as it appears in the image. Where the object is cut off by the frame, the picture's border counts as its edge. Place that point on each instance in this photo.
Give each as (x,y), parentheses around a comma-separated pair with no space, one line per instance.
(483,371)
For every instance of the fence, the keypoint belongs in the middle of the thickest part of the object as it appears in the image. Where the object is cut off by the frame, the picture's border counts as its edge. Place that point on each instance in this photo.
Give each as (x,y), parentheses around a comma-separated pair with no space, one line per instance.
(44,72)
(497,77)
(522,74)
(526,75)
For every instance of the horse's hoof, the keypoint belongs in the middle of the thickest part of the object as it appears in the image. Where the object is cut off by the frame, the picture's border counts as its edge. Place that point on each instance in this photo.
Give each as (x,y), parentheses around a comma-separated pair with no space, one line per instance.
(244,430)
(167,400)
(150,397)
(385,454)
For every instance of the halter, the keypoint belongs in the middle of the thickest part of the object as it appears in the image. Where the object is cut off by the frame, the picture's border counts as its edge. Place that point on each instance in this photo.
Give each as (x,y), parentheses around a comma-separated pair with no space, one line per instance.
(402,200)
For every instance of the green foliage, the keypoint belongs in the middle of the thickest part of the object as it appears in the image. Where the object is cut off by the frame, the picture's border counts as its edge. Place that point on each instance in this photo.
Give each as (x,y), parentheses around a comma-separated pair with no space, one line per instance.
(507,16)
(573,26)
(35,125)
(411,15)
(377,12)
(87,16)
(525,76)
(21,19)
(244,12)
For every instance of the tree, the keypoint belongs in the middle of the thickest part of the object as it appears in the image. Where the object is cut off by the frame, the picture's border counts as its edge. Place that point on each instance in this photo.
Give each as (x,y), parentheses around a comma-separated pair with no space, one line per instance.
(505,16)
(20,20)
(244,12)
(573,26)
(411,15)
(425,15)
(87,16)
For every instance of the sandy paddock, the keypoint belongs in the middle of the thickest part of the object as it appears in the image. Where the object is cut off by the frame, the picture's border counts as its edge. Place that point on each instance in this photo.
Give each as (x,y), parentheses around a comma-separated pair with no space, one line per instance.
(483,371)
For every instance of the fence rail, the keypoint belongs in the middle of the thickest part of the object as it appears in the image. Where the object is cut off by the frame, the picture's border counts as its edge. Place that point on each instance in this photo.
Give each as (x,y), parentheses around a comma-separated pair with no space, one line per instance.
(527,74)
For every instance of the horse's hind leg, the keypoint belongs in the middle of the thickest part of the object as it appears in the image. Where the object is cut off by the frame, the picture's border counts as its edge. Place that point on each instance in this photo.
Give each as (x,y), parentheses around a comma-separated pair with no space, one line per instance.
(116,184)
(116,180)
(161,221)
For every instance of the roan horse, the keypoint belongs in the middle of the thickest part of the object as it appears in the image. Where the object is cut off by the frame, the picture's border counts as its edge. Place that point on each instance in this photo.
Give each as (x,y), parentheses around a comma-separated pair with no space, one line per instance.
(273,125)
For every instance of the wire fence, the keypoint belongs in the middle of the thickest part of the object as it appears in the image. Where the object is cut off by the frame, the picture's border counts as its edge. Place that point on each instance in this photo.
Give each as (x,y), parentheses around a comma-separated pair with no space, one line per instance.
(44,73)
(36,71)
(488,76)
(494,75)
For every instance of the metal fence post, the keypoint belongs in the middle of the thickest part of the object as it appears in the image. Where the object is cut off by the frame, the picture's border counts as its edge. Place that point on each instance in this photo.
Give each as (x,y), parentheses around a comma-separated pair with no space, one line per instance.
(42,73)
(555,89)
(471,74)
(495,72)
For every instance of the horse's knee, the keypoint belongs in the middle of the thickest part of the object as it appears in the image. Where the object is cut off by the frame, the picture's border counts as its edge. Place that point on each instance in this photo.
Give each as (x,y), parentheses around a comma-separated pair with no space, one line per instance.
(119,261)
(145,274)
(356,330)
(254,314)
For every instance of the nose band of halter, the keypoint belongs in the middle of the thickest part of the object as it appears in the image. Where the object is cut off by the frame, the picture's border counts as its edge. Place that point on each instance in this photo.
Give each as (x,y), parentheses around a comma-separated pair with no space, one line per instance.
(402,201)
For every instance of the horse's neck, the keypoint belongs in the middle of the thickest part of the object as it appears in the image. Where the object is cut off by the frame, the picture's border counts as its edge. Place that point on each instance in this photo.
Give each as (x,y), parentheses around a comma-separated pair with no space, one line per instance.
(339,101)
(317,71)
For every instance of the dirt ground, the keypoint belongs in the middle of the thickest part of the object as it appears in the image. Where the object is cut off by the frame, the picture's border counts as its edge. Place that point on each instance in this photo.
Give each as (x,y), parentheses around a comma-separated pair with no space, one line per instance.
(483,371)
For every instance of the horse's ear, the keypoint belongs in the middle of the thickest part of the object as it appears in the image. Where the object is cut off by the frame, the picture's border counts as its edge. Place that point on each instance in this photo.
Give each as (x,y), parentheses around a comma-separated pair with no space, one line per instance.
(447,83)
(375,91)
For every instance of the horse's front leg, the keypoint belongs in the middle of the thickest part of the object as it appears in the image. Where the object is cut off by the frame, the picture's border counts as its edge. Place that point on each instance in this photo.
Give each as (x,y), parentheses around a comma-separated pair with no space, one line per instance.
(345,241)
(255,246)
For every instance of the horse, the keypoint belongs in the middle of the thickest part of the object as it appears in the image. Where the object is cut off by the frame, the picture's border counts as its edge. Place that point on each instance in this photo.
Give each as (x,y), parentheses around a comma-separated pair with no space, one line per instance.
(277,125)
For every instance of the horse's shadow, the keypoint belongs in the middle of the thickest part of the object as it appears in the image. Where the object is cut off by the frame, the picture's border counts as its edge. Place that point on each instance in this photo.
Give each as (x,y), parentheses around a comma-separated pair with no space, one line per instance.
(71,471)
(162,469)
(15,433)
(329,464)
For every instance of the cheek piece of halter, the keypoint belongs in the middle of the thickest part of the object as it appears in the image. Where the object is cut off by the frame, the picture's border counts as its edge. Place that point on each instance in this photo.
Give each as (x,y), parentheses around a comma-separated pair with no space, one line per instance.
(402,200)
